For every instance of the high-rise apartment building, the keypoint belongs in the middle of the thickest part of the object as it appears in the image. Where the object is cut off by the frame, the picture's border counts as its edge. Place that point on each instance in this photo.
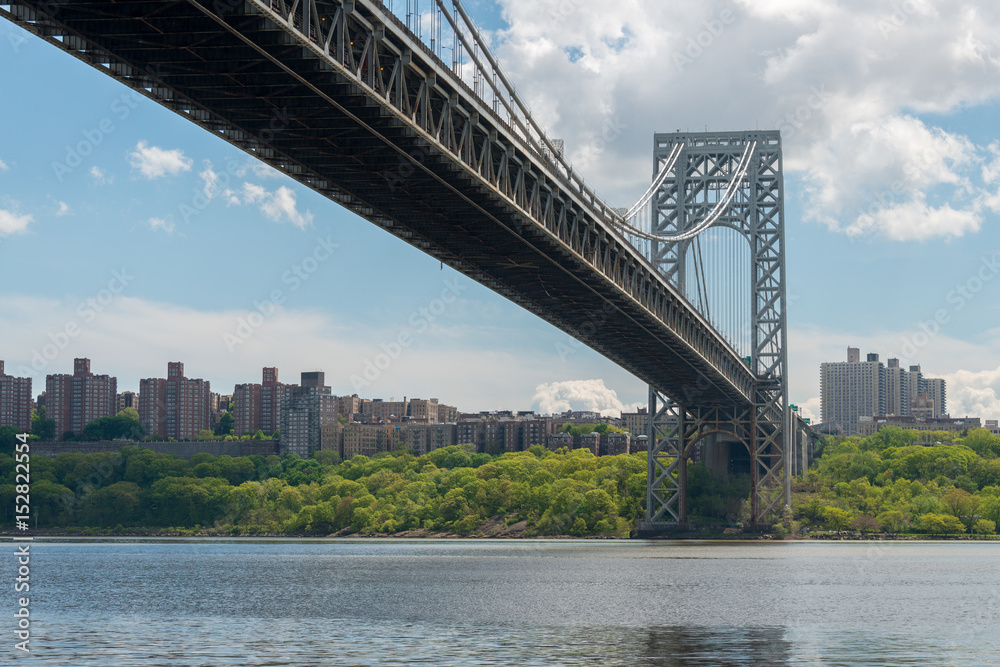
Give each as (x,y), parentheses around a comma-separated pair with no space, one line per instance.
(305,410)
(918,386)
(128,399)
(15,401)
(176,406)
(936,392)
(857,388)
(258,406)
(897,389)
(73,401)
(852,389)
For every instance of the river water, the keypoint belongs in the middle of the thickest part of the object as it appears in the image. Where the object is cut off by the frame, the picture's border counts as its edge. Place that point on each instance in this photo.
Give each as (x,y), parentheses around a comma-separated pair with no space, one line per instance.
(121,602)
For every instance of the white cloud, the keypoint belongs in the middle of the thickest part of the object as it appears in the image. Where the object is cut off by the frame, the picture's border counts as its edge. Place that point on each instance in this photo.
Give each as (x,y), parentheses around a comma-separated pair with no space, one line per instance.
(157,224)
(100,176)
(3,166)
(916,221)
(134,338)
(278,206)
(591,395)
(855,114)
(155,162)
(974,393)
(63,209)
(253,193)
(12,223)
(264,170)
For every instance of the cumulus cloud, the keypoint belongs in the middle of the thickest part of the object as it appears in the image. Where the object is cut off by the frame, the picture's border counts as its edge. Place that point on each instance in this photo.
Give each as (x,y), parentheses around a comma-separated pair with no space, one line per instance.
(590,395)
(13,223)
(159,224)
(860,117)
(974,394)
(278,206)
(3,166)
(62,209)
(134,338)
(155,162)
(100,176)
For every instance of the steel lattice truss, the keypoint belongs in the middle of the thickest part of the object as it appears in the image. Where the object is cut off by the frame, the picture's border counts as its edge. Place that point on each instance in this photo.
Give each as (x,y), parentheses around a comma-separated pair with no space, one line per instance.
(706,167)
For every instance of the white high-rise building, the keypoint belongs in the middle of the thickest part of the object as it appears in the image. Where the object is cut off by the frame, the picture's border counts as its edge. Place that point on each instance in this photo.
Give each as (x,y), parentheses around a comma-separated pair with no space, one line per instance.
(852,389)
(855,388)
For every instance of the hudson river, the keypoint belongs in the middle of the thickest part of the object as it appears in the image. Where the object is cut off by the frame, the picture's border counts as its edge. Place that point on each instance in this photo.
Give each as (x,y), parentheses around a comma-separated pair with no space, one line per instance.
(122,602)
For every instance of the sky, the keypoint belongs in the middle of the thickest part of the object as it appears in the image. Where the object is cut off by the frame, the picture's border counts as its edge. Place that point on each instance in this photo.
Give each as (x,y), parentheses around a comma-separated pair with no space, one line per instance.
(130,236)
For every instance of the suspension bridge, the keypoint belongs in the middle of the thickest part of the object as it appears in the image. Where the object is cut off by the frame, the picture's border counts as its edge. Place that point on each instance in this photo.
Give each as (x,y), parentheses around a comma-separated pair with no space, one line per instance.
(406,118)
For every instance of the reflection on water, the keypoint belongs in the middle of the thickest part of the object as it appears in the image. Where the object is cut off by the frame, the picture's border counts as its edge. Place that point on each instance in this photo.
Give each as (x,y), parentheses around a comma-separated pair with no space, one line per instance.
(349,602)
(721,647)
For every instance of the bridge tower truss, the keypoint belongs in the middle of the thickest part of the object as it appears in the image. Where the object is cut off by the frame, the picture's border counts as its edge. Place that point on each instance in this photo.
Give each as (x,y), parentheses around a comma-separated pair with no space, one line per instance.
(701,176)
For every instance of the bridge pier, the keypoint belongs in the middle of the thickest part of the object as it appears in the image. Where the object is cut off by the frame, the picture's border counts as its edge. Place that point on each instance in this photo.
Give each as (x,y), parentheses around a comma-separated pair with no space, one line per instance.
(673,431)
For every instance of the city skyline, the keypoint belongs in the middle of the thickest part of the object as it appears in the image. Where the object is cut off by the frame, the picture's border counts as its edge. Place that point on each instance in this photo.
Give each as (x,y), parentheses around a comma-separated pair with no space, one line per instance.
(152,240)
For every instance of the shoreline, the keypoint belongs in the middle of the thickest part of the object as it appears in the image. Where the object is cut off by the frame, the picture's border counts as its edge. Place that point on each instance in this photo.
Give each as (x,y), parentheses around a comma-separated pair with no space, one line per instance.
(441,535)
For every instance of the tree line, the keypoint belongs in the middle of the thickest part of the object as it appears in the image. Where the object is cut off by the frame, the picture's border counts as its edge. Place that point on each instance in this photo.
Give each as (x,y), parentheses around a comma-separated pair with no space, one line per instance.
(888,483)
(882,483)
(451,489)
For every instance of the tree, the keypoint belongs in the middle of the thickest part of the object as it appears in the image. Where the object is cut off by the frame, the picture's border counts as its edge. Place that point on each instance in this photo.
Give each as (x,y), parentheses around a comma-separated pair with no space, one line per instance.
(984,527)
(961,504)
(836,518)
(8,439)
(131,413)
(894,521)
(226,424)
(120,427)
(941,524)
(866,524)
(44,429)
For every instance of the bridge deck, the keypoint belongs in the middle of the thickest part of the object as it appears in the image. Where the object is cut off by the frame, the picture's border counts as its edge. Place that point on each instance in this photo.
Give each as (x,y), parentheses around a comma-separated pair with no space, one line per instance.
(498,212)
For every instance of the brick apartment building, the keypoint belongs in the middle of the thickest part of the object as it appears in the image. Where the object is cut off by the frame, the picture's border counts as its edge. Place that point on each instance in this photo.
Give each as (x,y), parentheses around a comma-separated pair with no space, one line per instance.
(257,407)
(15,401)
(73,401)
(176,406)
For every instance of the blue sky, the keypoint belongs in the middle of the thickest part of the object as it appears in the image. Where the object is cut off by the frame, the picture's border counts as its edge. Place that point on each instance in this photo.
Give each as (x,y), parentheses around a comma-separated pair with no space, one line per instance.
(904,115)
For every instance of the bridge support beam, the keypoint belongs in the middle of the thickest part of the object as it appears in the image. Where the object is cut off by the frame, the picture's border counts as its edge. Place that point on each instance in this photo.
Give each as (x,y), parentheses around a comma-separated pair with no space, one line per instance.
(673,435)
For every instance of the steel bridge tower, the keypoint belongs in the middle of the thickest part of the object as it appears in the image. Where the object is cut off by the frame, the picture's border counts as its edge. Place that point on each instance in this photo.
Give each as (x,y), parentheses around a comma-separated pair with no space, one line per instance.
(698,172)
